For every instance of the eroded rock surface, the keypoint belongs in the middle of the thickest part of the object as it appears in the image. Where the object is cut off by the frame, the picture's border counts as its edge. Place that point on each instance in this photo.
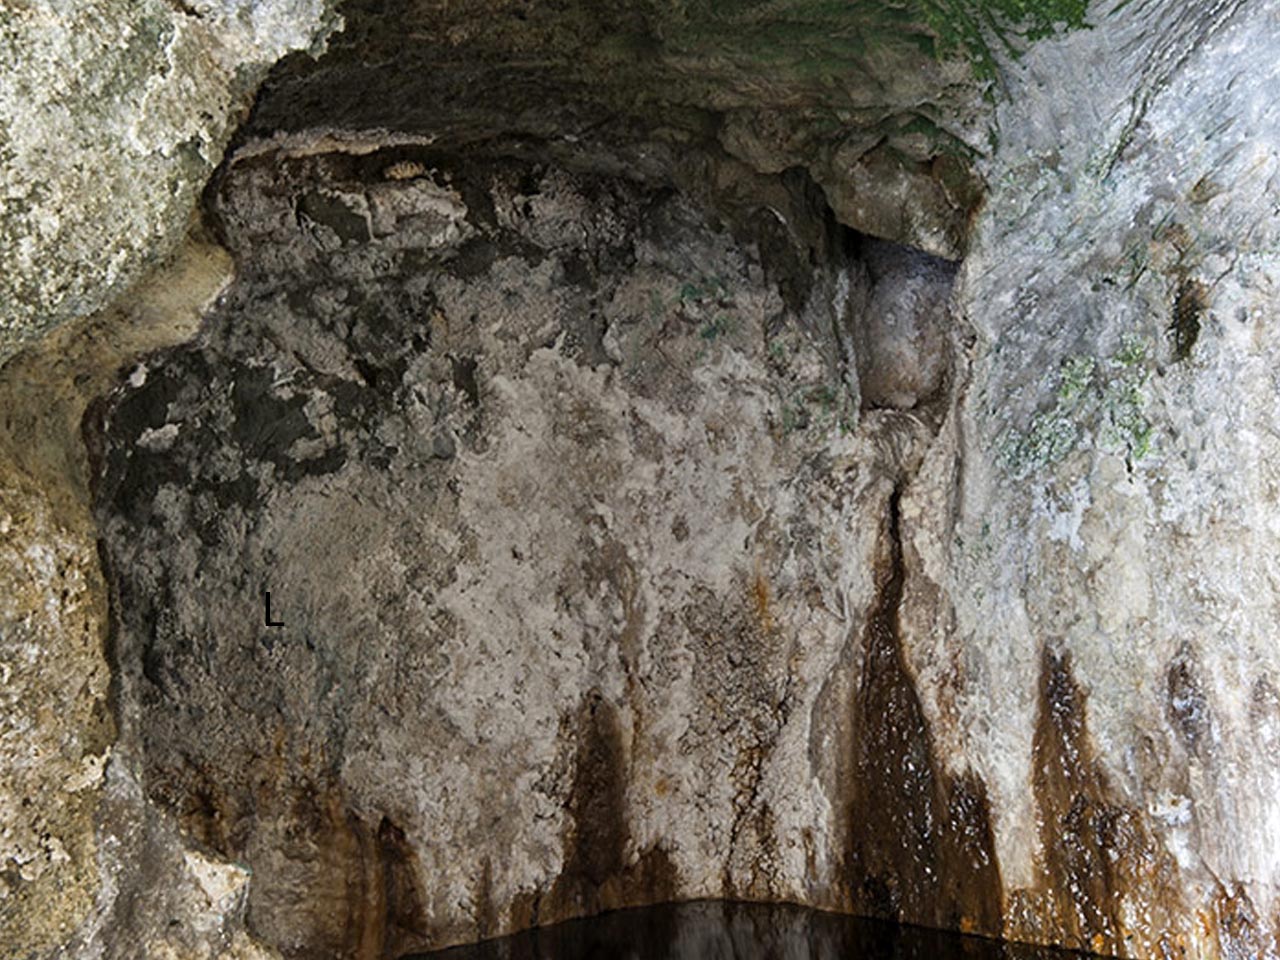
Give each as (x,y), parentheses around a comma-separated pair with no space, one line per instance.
(90,868)
(573,528)
(641,532)
(1108,578)
(112,116)
(879,101)
(55,727)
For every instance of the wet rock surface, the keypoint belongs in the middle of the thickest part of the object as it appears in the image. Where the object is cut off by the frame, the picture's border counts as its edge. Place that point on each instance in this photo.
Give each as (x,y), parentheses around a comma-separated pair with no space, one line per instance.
(544,479)
(637,530)
(695,931)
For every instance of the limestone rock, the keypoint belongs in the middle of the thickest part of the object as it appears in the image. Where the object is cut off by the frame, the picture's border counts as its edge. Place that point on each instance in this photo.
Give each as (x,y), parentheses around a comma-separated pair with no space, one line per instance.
(112,116)
(638,530)
(900,326)
(88,869)
(545,483)
(878,101)
(55,727)
(1107,579)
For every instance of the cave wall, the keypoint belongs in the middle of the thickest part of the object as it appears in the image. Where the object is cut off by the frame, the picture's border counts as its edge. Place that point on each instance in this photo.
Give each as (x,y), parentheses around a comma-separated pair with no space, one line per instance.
(1110,564)
(112,116)
(641,531)
(571,523)
(90,869)
(880,102)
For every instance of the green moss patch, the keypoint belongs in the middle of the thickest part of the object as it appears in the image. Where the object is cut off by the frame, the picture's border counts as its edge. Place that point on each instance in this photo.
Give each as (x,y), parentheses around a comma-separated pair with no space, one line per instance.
(1098,401)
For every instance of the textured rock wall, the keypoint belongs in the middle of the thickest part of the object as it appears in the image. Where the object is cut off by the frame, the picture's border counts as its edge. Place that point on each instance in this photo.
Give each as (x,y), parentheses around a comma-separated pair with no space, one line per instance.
(640,532)
(878,101)
(55,727)
(112,116)
(1110,566)
(572,524)
(89,868)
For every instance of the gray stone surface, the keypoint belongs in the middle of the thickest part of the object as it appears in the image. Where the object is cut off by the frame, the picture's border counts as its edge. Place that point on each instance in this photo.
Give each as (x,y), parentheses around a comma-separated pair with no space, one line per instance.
(112,116)
(570,522)
(878,101)
(1114,518)
(636,542)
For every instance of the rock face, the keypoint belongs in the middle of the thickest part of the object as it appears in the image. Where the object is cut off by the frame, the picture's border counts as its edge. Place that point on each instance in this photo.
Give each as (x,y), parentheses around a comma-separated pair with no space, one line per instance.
(779,452)
(571,524)
(1110,564)
(112,116)
(90,868)
(876,101)
(55,727)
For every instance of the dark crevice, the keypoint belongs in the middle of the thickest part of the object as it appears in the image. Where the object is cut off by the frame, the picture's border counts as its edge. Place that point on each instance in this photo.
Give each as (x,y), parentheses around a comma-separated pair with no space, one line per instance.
(1189,306)
(186,9)
(921,848)
(597,875)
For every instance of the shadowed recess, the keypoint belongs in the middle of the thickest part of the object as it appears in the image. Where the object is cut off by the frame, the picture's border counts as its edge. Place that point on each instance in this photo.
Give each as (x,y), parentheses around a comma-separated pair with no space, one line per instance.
(921,847)
(743,931)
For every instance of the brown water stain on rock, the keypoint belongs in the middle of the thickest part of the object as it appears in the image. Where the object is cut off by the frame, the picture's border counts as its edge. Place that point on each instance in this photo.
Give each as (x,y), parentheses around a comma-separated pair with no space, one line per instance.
(598,873)
(1189,307)
(326,881)
(1079,828)
(1097,852)
(346,889)
(403,898)
(920,846)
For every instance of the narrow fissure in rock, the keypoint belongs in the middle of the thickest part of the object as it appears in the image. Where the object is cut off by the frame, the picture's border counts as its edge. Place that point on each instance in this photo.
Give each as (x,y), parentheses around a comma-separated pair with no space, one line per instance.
(920,839)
